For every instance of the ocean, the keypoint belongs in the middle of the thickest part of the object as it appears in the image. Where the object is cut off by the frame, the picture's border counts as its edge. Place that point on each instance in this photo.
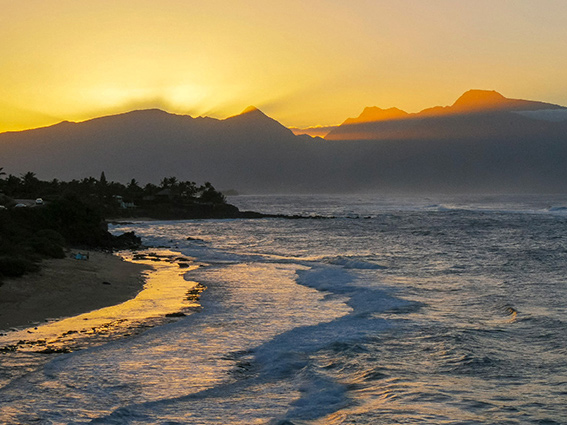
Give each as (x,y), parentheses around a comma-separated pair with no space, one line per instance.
(375,310)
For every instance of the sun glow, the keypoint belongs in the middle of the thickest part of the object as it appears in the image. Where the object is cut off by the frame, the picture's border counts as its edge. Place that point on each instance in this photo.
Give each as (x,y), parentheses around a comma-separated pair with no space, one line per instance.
(304,63)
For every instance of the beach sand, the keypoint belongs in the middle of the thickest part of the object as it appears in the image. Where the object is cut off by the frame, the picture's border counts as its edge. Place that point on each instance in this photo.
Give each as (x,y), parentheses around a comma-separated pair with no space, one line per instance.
(67,287)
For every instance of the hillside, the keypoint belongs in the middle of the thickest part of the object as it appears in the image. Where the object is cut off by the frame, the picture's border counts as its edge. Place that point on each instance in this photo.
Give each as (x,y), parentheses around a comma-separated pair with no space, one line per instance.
(477,113)
(484,142)
(245,151)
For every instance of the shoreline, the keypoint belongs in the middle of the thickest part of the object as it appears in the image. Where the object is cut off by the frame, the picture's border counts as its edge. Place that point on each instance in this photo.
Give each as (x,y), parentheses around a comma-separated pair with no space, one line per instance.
(152,291)
(68,287)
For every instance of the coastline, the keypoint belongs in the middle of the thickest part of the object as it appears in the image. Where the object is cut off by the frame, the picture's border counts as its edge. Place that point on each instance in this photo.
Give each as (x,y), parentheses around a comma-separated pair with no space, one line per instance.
(68,287)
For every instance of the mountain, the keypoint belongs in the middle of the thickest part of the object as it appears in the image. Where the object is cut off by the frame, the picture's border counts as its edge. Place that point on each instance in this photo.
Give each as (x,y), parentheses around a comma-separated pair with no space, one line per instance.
(316,131)
(483,142)
(246,151)
(453,121)
(490,100)
(484,101)
(373,113)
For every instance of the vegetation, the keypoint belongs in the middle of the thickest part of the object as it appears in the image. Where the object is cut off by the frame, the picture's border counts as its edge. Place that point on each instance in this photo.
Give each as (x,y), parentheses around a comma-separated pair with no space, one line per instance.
(41,219)
(111,197)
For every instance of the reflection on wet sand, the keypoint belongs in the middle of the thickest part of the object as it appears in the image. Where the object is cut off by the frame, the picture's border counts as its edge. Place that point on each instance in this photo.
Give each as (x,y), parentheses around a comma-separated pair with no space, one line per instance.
(166,295)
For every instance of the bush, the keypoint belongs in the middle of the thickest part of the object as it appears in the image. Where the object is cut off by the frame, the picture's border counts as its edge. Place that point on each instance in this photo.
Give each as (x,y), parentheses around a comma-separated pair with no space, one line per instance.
(46,247)
(5,200)
(52,235)
(78,222)
(16,266)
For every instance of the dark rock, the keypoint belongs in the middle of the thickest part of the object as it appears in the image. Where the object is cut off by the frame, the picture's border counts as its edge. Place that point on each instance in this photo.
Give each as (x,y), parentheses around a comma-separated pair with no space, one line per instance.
(127,240)
(178,314)
(8,348)
(51,350)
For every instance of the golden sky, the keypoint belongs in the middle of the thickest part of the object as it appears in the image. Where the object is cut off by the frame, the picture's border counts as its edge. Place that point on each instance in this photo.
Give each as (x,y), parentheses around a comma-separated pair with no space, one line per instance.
(303,62)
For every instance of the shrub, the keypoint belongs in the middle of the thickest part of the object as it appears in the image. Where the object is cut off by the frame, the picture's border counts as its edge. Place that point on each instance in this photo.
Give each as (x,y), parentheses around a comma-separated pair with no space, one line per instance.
(46,247)
(52,235)
(16,266)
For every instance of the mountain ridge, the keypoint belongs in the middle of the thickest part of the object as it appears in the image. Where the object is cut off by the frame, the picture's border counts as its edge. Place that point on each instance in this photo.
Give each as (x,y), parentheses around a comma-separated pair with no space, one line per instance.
(472,102)
(476,100)
(485,100)
(483,151)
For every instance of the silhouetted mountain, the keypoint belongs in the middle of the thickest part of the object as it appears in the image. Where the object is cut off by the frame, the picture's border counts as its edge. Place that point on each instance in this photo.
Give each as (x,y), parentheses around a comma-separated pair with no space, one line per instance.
(373,113)
(381,124)
(485,100)
(249,151)
(316,131)
(484,142)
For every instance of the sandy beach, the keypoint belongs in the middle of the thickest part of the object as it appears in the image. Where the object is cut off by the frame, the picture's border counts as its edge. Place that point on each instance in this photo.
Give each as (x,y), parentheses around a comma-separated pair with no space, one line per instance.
(67,287)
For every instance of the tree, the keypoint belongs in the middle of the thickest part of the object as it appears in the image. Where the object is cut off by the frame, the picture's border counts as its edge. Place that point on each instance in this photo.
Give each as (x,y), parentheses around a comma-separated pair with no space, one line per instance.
(2,173)
(188,189)
(102,186)
(133,190)
(168,182)
(133,184)
(103,182)
(150,189)
(30,184)
(12,185)
(210,194)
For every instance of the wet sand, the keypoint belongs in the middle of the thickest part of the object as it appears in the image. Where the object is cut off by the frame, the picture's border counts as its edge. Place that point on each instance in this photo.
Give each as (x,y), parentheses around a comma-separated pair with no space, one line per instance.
(68,287)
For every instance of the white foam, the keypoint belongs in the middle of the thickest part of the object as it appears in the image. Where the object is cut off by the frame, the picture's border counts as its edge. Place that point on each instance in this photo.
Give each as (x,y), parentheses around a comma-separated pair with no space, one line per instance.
(559,209)
(353,263)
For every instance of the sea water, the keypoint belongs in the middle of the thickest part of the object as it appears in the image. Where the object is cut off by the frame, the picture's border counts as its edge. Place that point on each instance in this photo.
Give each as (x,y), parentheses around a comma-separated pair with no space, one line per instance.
(375,310)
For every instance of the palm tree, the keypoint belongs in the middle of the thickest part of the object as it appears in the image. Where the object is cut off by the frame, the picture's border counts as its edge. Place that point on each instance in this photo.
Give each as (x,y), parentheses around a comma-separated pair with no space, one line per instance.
(30,183)
(2,173)
(29,178)
(168,182)
(133,190)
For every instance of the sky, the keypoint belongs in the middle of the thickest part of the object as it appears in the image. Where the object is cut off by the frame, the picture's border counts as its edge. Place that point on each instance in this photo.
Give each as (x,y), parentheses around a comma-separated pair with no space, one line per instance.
(302,62)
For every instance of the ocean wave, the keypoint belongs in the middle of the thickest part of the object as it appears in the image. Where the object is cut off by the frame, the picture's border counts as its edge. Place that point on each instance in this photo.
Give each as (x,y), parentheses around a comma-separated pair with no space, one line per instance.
(349,262)
(557,209)
(438,207)
(332,278)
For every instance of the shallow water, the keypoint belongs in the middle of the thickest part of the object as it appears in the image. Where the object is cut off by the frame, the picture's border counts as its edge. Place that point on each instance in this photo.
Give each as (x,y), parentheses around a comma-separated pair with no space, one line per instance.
(392,310)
